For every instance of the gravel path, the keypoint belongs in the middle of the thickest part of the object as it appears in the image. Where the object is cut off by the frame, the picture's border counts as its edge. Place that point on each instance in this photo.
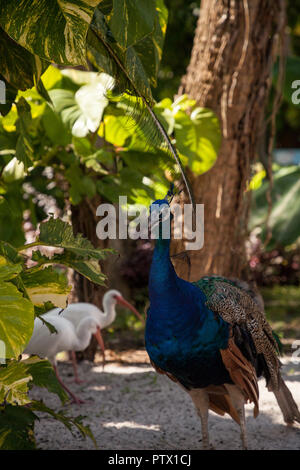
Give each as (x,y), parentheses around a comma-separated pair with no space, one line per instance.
(131,407)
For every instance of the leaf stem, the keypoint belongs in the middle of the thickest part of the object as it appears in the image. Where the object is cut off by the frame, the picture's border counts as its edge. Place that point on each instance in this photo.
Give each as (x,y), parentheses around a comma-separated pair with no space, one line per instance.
(30,245)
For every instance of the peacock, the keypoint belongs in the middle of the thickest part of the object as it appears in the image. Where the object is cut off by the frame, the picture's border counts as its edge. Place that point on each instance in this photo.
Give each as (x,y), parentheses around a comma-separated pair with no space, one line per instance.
(212,338)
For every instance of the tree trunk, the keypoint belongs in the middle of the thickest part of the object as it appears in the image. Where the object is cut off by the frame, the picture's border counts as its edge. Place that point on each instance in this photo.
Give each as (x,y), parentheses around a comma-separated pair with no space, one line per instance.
(230,72)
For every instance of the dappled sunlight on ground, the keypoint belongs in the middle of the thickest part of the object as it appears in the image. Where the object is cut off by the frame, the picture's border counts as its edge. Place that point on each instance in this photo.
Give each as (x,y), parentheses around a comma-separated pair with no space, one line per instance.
(129,406)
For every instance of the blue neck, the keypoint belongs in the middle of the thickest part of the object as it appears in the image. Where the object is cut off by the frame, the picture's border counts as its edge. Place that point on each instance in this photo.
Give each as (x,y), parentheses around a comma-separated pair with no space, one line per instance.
(162,272)
(168,293)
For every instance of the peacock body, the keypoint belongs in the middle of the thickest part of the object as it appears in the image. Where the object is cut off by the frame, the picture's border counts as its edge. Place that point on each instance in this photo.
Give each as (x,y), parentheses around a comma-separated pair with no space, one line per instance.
(211,337)
(183,336)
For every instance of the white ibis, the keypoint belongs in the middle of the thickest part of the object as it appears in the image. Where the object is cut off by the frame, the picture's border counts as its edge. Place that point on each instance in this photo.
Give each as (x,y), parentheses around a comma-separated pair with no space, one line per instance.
(77,311)
(43,343)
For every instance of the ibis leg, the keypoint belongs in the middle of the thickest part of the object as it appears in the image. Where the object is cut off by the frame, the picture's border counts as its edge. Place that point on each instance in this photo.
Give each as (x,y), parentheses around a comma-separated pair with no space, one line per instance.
(75,368)
(98,336)
(74,398)
(201,401)
(238,402)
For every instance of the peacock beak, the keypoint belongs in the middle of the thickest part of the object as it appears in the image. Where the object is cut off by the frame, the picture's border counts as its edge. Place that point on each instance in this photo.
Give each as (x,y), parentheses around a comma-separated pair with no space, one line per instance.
(124,303)
(99,338)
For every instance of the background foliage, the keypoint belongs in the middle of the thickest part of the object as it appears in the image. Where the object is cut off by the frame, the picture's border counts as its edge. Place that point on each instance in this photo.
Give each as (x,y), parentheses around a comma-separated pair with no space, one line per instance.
(70,134)
(65,137)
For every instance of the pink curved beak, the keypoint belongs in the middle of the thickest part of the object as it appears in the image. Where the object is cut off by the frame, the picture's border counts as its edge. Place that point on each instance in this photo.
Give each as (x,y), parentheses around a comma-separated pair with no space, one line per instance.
(124,303)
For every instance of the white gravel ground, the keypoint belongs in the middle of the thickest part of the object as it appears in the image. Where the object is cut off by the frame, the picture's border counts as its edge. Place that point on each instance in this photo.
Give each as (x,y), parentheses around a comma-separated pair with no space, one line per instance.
(129,406)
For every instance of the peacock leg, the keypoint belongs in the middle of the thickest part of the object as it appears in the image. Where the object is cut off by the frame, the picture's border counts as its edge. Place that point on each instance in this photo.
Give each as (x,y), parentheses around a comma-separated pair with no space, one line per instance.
(201,401)
(238,402)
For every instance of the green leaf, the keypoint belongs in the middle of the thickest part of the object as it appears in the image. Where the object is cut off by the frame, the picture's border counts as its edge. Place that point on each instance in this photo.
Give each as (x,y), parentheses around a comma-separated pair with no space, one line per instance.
(57,233)
(134,67)
(135,18)
(89,268)
(43,375)
(11,214)
(8,270)
(51,76)
(94,161)
(198,138)
(81,185)
(44,308)
(24,147)
(14,379)
(46,285)
(117,130)
(18,66)
(54,128)
(50,327)
(17,428)
(55,31)
(82,110)
(10,252)
(126,41)
(91,100)
(284,219)
(69,422)
(16,319)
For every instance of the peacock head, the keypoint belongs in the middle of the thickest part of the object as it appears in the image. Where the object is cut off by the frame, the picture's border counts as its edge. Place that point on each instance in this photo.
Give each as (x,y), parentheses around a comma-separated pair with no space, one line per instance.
(160,218)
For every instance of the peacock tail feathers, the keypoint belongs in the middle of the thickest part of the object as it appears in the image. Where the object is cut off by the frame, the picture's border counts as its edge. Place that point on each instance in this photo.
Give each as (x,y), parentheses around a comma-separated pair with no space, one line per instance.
(241,372)
(236,307)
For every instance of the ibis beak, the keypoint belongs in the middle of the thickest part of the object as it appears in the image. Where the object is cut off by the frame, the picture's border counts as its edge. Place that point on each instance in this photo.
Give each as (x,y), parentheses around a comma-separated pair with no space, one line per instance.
(124,303)
(99,338)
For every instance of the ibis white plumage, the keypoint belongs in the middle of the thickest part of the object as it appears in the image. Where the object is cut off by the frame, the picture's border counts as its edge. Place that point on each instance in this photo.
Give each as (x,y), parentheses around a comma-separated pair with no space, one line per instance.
(77,311)
(43,343)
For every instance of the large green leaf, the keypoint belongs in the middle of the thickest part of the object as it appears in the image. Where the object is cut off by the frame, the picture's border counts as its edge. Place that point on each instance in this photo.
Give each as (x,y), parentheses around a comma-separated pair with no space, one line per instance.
(82,110)
(16,428)
(198,138)
(81,185)
(24,147)
(11,214)
(67,421)
(14,379)
(16,319)
(8,270)
(46,285)
(43,375)
(55,31)
(10,253)
(18,66)
(89,268)
(284,220)
(57,233)
(135,18)
(125,40)
(53,126)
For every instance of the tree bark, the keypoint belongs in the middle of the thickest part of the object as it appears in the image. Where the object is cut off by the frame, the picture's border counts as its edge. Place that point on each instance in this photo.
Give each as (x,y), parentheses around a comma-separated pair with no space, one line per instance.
(230,72)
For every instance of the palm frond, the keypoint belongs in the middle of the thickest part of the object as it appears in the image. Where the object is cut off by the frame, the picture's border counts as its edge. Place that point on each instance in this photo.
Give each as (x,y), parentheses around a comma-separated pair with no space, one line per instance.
(106,55)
